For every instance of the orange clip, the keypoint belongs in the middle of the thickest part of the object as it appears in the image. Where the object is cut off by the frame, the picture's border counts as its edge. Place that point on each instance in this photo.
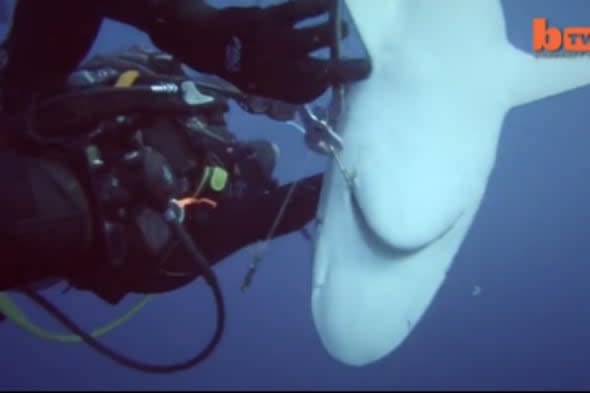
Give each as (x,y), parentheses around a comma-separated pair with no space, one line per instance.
(184,202)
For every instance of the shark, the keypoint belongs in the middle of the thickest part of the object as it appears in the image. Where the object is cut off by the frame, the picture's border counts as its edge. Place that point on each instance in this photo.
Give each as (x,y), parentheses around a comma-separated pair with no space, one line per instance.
(420,140)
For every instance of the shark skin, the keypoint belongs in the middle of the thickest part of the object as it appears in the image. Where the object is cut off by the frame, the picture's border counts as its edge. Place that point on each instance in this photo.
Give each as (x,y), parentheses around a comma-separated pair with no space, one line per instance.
(420,136)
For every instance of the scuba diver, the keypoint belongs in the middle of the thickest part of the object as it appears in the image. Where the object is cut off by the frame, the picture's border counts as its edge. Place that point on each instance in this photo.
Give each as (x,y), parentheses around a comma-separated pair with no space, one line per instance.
(238,198)
(122,175)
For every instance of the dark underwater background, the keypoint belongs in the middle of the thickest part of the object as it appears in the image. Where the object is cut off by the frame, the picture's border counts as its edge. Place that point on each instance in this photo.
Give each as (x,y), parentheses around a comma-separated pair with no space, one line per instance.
(528,251)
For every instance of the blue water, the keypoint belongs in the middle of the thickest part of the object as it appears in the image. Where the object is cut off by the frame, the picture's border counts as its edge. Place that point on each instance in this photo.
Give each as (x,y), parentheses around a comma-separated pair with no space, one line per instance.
(528,251)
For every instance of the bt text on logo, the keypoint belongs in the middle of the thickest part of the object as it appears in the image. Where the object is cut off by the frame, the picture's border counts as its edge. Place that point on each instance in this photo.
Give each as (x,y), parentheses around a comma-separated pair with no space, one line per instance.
(549,40)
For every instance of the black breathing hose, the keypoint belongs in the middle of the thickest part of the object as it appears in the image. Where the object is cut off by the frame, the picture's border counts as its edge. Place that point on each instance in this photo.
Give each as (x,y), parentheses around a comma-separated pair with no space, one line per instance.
(209,277)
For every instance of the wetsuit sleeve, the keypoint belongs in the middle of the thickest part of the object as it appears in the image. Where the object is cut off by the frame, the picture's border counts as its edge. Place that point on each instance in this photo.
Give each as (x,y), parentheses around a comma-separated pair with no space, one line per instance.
(218,234)
(47,40)
(45,224)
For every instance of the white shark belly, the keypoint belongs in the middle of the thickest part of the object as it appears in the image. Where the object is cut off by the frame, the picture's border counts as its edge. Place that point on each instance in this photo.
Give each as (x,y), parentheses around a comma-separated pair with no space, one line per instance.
(421,137)
(381,256)
(367,300)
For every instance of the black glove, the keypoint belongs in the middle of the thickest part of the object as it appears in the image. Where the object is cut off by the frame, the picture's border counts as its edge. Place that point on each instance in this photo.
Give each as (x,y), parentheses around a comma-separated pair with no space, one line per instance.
(257,49)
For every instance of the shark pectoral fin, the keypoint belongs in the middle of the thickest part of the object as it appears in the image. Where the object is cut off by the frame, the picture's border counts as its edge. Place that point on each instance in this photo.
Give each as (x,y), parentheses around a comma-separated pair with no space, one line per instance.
(419,212)
(533,78)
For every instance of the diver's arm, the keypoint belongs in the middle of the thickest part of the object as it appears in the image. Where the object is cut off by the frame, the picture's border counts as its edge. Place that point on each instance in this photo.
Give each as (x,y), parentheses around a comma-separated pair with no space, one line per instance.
(241,222)
(258,49)
(45,223)
(218,233)
(46,41)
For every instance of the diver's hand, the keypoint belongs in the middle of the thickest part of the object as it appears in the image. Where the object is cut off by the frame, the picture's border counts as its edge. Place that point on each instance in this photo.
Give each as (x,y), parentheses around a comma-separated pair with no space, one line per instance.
(257,49)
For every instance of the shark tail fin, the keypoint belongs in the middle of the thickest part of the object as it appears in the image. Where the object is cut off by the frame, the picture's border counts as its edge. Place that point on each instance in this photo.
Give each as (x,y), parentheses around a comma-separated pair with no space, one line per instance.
(533,77)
